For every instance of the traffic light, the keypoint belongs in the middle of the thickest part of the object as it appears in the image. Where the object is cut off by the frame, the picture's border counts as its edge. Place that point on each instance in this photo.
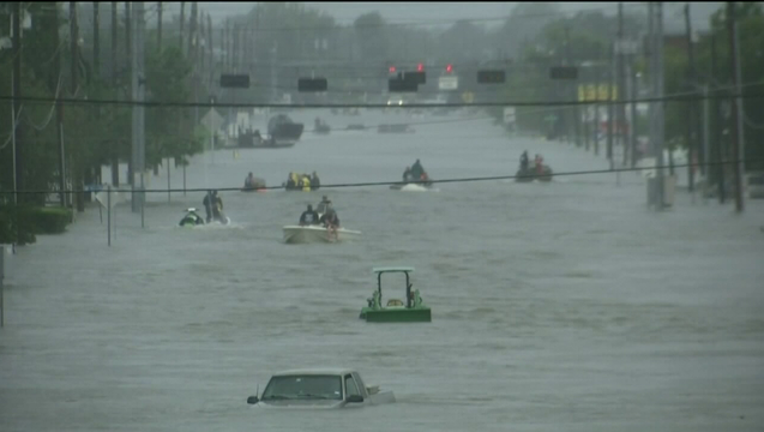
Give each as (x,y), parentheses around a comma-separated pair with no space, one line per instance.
(420,67)
(449,68)
(391,69)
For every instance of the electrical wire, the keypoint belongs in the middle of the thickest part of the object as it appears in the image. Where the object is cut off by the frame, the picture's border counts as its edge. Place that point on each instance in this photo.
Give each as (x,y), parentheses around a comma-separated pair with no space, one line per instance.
(13,129)
(388,183)
(52,109)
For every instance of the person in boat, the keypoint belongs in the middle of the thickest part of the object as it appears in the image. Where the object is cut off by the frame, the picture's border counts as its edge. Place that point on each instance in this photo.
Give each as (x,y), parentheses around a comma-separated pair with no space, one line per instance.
(539,162)
(291,183)
(309,217)
(217,206)
(425,178)
(417,170)
(249,182)
(305,183)
(315,183)
(330,219)
(208,202)
(407,175)
(323,205)
(524,161)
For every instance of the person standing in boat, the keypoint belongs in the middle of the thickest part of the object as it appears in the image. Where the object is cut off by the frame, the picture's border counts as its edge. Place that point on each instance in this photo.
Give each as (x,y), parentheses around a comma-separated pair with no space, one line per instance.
(309,217)
(417,170)
(249,181)
(524,161)
(315,183)
(407,175)
(323,205)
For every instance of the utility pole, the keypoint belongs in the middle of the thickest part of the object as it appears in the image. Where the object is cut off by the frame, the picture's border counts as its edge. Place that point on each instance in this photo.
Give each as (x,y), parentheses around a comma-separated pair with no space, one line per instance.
(692,120)
(192,29)
(75,55)
(129,67)
(95,171)
(720,153)
(211,52)
(621,86)
(18,168)
(610,67)
(138,93)
(736,128)
(60,132)
(96,42)
(159,26)
(115,65)
(660,117)
(182,23)
(576,112)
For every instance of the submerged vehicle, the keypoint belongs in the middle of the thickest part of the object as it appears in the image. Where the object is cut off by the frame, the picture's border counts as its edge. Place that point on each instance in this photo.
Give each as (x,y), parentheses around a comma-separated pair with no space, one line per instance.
(320,389)
(321,127)
(191,219)
(394,128)
(543,174)
(412,310)
(283,131)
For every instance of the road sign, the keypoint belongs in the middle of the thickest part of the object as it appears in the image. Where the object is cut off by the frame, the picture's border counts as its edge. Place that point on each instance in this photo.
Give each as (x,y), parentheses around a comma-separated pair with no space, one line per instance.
(563,73)
(509,115)
(448,83)
(234,81)
(417,77)
(491,77)
(398,85)
(312,85)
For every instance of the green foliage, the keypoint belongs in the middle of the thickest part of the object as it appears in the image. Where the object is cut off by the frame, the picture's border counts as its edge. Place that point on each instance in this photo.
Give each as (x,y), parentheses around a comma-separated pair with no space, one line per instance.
(28,221)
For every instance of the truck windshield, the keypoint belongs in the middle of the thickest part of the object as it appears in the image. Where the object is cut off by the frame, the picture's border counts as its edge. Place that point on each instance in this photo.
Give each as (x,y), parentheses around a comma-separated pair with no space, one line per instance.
(304,387)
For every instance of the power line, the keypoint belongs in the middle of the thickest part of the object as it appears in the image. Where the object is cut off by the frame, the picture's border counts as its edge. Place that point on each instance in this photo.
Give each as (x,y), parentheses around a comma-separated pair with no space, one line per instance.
(387,183)
(156,104)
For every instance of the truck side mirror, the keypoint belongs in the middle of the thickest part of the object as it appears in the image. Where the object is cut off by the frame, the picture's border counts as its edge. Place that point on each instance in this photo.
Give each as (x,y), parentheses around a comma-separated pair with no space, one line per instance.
(354,399)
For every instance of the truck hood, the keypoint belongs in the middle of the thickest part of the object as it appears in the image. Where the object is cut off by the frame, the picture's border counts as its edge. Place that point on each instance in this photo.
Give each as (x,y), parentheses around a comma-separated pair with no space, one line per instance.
(302,404)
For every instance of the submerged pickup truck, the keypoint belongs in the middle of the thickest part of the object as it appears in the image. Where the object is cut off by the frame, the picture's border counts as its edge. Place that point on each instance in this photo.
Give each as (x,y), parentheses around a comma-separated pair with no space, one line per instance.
(319,388)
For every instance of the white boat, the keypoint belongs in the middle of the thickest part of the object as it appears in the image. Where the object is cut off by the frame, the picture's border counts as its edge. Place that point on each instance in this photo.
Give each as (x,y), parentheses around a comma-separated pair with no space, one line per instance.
(317,234)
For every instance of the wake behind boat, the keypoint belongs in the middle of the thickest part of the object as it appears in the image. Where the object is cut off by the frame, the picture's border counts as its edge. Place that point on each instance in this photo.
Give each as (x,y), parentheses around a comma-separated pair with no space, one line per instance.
(296,234)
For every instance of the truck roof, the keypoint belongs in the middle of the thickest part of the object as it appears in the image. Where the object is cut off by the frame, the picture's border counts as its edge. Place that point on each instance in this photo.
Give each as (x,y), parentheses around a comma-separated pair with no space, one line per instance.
(316,371)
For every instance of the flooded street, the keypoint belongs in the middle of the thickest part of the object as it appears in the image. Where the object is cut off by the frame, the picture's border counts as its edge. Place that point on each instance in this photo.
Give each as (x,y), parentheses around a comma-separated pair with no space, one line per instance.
(562,306)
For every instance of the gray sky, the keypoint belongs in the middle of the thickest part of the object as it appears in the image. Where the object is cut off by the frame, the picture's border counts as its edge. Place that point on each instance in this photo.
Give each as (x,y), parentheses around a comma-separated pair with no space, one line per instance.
(451,11)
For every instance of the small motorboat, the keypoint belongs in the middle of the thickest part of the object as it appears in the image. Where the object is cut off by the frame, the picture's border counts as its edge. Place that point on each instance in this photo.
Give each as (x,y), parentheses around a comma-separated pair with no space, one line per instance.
(394,128)
(321,127)
(530,174)
(283,131)
(396,310)
(257,185)
(297,234)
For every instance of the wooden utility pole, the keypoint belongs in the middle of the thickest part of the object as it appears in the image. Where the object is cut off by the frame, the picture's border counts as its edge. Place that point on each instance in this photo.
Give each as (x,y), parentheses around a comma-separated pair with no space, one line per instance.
(16,132)
(192,30)
(720,153)
(735,125)
(115,65)
(692,118)
(611,61)
(211,52)
(129,68)
(96,42)
(75,56)
(159,26)
(225,46)
(621,86)
(182,23)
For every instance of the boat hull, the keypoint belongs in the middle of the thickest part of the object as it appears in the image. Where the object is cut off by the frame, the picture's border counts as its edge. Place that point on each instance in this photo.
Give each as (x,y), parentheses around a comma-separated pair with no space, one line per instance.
(527,176)
(417,314)
(411,187)
(295,234)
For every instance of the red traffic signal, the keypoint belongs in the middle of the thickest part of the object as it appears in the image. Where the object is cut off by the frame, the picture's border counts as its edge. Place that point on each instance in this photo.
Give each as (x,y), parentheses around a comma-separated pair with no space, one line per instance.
(449,68)
(391,69)
(420,67)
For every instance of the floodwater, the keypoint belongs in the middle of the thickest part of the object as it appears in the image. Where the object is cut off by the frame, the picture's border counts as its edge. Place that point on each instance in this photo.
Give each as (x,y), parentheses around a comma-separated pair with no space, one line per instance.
(563,306)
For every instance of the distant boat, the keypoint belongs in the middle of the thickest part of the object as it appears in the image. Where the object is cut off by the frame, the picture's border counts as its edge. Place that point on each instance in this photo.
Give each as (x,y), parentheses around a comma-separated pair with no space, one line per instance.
(282,130)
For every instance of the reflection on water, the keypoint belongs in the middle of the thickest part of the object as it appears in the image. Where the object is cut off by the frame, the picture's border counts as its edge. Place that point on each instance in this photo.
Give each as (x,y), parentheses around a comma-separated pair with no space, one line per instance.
(560,306)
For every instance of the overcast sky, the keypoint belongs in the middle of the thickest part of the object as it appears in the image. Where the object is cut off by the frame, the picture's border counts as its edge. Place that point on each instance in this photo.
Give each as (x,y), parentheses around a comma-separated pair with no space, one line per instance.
(346,13)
